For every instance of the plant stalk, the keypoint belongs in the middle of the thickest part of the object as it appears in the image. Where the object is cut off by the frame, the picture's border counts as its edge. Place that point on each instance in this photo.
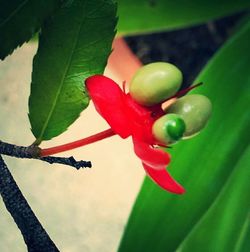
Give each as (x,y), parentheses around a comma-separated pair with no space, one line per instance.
(76,144)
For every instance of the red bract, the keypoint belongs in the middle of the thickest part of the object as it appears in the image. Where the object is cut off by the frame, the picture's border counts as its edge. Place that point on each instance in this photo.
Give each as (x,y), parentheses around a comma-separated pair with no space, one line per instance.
(128,118)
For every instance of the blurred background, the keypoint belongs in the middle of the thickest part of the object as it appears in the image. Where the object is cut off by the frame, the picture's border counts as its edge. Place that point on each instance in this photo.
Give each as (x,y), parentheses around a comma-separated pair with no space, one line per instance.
(87,210)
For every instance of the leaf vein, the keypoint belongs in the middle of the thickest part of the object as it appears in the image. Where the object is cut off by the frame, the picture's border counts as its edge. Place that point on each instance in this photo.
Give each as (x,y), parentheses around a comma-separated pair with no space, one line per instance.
(63,78)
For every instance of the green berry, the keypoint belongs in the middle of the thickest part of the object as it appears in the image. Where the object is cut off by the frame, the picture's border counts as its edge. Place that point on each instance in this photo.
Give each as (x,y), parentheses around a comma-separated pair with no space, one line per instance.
(195,110)
(154,83)
(168,128)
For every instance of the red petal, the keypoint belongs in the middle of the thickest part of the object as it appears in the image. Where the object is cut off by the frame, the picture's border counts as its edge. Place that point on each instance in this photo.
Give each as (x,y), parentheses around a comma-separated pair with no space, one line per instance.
(163,179)
(109,101)
(154,157)
(154,162)
(142,119)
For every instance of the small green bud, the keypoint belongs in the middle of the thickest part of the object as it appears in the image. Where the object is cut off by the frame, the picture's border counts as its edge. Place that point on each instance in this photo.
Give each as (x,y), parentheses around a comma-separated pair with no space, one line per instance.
(168,128)
(195,110)
(154,83)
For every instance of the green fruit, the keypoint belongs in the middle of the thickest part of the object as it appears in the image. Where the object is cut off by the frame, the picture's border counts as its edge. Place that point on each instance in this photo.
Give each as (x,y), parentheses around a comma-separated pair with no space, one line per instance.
(168,129)
(154,83)
(195,110)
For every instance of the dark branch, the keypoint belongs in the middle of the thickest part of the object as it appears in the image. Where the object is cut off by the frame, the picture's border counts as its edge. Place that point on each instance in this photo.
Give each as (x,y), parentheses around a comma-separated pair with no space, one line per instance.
(32,152)
(67,161)
(35,237)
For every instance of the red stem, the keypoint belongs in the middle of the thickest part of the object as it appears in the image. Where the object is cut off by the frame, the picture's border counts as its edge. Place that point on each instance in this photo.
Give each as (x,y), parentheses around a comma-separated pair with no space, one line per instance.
(186,90)
(79,143)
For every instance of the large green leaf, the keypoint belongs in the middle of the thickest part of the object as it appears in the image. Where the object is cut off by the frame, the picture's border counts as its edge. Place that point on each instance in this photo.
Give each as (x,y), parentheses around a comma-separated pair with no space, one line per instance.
(160,221)
(143,16)
(74,44)
(222,228)
(20,19)
(243,244)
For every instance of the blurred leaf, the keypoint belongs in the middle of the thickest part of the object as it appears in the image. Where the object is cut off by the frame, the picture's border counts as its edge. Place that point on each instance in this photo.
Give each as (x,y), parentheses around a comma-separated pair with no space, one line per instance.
(222,226)
(74,45)
(20,20)
(160,221)
(243,244)
(144,16)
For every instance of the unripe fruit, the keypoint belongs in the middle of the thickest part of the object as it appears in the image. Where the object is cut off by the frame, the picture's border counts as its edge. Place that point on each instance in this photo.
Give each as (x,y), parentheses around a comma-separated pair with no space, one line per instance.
(154,83)
(195,110)
(168,129)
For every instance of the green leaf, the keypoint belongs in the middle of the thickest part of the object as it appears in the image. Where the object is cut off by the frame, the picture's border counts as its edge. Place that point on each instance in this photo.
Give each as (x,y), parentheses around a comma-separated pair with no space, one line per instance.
(243,244)
(144,16)
(160,221)
(222,228)
(20,20)
(74,44)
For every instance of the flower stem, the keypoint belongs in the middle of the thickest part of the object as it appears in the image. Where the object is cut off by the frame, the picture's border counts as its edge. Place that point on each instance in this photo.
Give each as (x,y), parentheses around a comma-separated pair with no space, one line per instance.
(186,90)
(76,144)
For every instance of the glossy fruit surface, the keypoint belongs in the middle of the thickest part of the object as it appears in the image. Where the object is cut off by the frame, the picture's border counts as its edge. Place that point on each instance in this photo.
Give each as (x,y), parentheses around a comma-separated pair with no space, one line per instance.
(154,83)
(195,110)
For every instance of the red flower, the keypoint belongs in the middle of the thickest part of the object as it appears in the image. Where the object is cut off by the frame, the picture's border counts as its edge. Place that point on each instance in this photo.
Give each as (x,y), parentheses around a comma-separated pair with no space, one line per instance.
(128,118)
